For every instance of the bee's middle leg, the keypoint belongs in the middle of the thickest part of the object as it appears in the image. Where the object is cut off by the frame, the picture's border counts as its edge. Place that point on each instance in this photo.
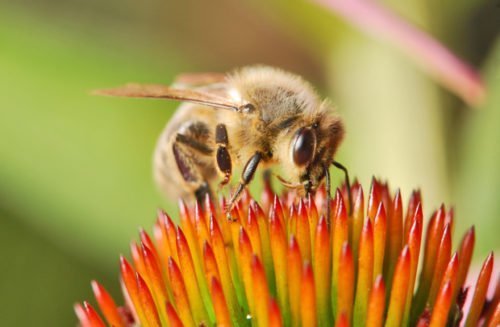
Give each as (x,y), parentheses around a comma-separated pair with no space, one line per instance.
(187,153)
(194,144)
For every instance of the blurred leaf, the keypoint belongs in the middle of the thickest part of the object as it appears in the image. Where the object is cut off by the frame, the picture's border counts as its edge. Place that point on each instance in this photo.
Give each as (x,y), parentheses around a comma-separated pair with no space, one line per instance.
(478,185)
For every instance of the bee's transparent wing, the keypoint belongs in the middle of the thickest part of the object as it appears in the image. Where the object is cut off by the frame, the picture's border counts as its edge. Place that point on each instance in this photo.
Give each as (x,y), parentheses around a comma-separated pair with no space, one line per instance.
(155,91)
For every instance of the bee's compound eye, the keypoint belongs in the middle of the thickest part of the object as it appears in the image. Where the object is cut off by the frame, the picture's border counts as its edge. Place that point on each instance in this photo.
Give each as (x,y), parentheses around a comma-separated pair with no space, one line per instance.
(303,147)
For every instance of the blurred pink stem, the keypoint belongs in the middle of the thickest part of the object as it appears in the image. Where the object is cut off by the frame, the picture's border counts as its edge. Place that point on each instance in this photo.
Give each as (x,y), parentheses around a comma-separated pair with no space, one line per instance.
(434,58)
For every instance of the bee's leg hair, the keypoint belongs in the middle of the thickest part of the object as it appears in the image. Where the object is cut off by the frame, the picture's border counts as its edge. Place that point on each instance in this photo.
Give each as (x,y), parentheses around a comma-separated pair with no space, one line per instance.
(347,183)
(246,177)
(222,156)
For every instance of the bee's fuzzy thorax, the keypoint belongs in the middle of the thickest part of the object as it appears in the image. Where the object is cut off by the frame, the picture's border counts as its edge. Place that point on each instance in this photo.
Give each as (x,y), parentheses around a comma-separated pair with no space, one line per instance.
(276,92)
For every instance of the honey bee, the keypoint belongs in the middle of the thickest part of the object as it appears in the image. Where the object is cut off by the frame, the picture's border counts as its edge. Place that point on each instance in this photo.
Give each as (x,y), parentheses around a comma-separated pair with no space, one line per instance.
(254,117)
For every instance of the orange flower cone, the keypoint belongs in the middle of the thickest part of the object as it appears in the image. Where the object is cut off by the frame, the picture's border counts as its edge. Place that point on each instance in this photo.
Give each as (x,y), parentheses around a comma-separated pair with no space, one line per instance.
(284,263)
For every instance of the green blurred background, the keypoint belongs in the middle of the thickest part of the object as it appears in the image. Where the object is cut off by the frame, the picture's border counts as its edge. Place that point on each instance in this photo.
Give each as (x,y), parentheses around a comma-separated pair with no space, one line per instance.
(75,170)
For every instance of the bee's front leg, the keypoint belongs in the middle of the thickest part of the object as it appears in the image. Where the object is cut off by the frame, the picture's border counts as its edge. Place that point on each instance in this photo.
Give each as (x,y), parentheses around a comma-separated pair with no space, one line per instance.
(246,177)
(222,156)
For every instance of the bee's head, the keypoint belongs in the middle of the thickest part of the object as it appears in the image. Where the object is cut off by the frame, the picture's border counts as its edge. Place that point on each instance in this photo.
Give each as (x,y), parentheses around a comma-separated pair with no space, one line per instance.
(311,148)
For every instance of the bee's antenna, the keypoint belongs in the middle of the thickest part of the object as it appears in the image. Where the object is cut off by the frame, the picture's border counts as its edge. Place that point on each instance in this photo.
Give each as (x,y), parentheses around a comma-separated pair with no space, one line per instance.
(347,183)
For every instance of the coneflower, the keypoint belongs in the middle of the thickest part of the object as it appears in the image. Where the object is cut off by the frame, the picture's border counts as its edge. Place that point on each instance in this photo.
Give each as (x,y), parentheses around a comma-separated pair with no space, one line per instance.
(283,262)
